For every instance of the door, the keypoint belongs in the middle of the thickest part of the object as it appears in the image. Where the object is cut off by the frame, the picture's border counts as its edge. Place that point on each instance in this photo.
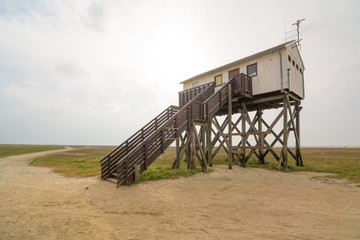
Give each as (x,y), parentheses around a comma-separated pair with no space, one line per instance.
(233,73)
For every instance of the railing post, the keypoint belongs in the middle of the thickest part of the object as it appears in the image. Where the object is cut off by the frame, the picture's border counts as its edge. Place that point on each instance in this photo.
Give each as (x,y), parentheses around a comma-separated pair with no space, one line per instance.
(219,99)
(126,171)
(109,165)
(145,156)
(189,116)
(176,127)
(162,140)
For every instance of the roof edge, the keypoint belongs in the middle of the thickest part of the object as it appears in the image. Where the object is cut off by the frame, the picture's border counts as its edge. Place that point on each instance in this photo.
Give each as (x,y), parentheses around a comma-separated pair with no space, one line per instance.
(259,54)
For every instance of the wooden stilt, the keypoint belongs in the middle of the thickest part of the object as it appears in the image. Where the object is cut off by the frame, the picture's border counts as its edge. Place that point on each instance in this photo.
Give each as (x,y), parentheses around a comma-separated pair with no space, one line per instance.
(284,151)
(177,157)
(203,142)
(229,127)
(243,138)
(202,157)
(188,149)
(261,137)
(209,145)
(192,165)
(299,161)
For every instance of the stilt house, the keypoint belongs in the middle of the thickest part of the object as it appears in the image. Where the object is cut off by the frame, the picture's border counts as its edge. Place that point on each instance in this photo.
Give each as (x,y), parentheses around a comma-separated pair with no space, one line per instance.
(270,79)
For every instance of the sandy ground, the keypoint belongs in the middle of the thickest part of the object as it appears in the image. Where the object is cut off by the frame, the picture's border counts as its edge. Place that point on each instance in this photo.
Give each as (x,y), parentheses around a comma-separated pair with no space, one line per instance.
(249,203)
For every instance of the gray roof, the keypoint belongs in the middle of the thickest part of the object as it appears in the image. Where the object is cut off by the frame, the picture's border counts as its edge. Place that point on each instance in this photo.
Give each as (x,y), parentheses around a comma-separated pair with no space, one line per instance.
(259,54)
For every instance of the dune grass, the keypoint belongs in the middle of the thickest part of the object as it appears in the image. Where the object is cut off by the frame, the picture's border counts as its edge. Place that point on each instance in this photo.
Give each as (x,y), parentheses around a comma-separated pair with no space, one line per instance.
(343,162)
(83,162)
(79,162)
(16,149)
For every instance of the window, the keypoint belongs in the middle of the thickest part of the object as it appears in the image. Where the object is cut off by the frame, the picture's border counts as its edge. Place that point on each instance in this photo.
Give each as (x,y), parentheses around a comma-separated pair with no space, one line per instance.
(289,58)
(297,67)
(293,63)
(195,84)
(252,70)
(300,70)
(218,80)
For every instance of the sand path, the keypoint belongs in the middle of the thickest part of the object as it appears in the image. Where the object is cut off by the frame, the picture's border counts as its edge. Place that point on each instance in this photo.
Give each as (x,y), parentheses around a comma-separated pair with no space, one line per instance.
(248,203)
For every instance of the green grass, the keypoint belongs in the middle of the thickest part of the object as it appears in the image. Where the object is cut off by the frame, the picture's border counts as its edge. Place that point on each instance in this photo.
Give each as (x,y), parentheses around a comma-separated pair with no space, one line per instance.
(343,162)
(80,162)
(161,168)
(12,149)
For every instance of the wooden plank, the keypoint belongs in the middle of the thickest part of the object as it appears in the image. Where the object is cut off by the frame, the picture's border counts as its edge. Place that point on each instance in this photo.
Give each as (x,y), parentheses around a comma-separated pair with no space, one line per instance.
(237,151)
(247,133)
(137,173)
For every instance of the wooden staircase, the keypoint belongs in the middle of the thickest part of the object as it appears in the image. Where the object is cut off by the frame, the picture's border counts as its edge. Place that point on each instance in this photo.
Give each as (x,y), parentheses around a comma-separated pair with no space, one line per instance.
(145,146)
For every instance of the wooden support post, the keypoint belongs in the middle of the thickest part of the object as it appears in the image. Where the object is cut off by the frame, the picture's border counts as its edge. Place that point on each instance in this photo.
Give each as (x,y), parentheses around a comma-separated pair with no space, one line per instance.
(203,142)
(243,138)
(177,158)
(229,127)
(137,173)
(188,149)
(261,137)
(192,165)
(202,157)
(284,151)
(209,145)
(299,161)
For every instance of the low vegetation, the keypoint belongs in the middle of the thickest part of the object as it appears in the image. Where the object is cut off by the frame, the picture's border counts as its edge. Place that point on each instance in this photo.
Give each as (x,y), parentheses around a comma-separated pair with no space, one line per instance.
(12,149)
(82,162)
(79,162)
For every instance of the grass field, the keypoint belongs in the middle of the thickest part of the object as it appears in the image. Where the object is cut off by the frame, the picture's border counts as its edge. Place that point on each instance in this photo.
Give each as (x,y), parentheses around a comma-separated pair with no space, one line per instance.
(79,162)
(12,149)
(82,162)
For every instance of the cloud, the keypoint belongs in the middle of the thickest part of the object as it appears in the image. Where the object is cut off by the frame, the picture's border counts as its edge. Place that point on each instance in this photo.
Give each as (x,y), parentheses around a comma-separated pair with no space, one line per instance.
(96,15)
(96,66)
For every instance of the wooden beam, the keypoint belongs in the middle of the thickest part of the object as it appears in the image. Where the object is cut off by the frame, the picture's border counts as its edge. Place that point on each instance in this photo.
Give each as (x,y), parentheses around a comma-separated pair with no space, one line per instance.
(209,146)
(248,133)
(243,138)
(299,161)
(261,136)
(284,151)
(202,159)
(229,127)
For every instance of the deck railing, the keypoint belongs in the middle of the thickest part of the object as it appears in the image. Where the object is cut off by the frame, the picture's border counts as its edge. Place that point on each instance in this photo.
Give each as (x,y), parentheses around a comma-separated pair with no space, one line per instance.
(154,138)
(108,163)
(146,152)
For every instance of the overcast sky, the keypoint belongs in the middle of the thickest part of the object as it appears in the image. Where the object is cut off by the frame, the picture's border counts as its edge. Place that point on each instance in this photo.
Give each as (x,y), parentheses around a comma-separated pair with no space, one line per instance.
(94,72)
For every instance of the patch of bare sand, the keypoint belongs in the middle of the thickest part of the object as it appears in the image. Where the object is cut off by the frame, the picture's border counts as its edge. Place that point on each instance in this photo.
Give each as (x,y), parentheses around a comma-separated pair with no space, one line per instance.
(241,203)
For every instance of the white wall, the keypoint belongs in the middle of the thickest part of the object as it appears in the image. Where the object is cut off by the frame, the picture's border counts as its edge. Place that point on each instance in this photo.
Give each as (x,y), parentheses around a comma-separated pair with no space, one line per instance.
(268,77)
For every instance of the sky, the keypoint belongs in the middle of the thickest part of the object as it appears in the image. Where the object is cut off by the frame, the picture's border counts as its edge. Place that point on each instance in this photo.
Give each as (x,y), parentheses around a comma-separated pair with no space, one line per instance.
(94,72)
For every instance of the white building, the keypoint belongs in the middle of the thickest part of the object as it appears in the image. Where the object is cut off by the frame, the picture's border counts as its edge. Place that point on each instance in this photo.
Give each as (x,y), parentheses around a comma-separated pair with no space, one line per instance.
(273,70)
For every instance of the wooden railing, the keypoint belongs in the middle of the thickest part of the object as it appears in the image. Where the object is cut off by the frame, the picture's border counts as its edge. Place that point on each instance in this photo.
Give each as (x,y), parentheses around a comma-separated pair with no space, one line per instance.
(148,143)
(108,163)
(189,94)
(242,85)
(146,152)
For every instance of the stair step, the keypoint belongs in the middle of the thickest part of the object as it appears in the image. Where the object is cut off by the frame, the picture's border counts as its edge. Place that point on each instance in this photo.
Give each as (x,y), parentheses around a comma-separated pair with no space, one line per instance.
(113,180)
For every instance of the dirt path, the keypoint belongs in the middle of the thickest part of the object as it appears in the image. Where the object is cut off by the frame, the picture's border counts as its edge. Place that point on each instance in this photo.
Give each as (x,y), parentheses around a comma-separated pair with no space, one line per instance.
(249,203)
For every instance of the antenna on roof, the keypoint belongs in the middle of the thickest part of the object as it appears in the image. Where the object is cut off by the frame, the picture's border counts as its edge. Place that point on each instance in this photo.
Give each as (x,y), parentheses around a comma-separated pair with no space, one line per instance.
(293,35)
